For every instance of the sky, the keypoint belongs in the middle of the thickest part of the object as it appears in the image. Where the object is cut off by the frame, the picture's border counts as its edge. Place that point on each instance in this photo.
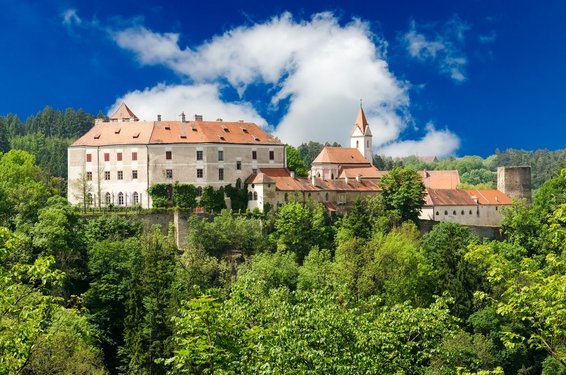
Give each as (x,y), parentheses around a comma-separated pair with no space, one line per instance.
(434,77)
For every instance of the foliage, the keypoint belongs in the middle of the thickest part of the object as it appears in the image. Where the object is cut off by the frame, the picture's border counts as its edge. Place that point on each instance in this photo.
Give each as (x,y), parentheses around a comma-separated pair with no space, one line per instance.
(148,305)
(160,194)
(298,227)
(403,191)
(238,196)
(445,247)
(212,200)
(295,162)
(185,195)
(23,190)
(226,234)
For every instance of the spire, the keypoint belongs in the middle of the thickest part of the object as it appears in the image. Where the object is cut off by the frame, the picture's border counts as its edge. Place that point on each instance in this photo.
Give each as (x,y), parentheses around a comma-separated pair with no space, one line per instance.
(361,121)
(123,113)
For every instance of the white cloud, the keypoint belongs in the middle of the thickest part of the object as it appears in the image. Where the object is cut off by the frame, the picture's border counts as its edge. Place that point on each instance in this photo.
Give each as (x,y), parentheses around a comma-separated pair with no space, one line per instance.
(70,17)
(438,143)
(170,101)
(319,68)
(488,38)
(444,48)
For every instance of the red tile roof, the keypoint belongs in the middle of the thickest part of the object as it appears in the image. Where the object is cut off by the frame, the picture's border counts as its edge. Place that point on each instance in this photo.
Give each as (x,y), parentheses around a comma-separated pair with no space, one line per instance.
(284,182)
(168,132)
(456,197)
(490,196)
(362,123)
(259,178)
(440,179)
(123,112)
(341,155)
(364,172)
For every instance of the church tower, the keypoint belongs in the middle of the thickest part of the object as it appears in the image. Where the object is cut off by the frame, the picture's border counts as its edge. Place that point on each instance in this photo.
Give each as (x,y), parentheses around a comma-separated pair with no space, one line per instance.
(361,137)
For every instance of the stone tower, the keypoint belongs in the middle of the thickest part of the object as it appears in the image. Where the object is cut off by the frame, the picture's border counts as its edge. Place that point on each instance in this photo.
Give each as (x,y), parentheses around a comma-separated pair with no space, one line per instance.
(515,182)
(361,137)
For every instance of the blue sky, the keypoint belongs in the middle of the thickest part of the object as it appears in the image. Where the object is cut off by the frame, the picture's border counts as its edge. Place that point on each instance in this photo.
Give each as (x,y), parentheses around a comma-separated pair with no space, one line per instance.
(436,77)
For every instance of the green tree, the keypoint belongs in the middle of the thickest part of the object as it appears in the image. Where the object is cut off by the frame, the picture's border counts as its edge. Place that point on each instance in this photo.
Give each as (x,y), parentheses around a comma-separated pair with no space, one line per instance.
(298,227)
(149,304)
(403,191)
(295,162)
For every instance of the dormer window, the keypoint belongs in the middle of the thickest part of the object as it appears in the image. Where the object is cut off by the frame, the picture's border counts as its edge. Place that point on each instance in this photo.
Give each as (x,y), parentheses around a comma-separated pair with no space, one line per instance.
(137,135)
(97,136)
(222,138)
(245,130)
(117,131)
(227,130)
(257,139)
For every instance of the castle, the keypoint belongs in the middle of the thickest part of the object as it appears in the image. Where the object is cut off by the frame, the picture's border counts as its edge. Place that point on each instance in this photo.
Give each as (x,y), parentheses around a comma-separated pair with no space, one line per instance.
(117,160)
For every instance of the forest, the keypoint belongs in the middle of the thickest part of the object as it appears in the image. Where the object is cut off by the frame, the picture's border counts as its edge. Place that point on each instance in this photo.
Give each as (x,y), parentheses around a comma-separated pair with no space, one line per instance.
(293,292)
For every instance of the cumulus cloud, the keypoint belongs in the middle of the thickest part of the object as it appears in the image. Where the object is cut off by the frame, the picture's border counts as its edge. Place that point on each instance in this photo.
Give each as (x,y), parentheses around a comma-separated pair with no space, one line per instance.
(438,143)
(70,17)
(315,72)
(170,100)
(444,48)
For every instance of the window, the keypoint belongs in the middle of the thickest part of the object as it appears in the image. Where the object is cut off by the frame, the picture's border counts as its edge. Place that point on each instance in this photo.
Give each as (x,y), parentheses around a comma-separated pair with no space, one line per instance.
(470,212)
(119,156)
(168,155)
(108,198)
(254,155)
(199,191)
(286,197)
(106,156)
(220,174)
(462,213)
(271,155)
(120,175)
(250,196)
(88,158)
(454,212)
(445,212)
(121,198)
(220,155)
(238,184)
(89,176)
(255,195)
(134,174)
(89,199)
(135,198)
(238,165)
(199,155)
(169,173)
(107,175)
(437,213)
(200,173)
(134,156)
(357,144)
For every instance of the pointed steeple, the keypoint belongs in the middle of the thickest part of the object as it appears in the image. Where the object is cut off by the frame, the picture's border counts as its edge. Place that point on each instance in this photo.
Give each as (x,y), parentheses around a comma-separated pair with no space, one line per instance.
(123,113)
(362,122)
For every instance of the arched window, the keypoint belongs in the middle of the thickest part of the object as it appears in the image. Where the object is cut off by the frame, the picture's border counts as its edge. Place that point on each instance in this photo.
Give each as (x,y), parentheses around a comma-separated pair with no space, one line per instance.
(326,197)
(454,212)
(250,196)
(357,144)
(199,191)
(121,198)
(135,198)
(108,198)
(470,212)
(462,212)
(445,212)
(238,184)
(255,195)
(286,197)
(89,199)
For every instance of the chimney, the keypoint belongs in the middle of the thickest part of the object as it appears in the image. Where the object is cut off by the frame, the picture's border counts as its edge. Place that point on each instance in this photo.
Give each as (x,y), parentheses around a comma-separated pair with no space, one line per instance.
(358,177)
(292,174)
(346,179)
(183,119)
(313,182)
(219,119)
(198,117)
(158,117)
